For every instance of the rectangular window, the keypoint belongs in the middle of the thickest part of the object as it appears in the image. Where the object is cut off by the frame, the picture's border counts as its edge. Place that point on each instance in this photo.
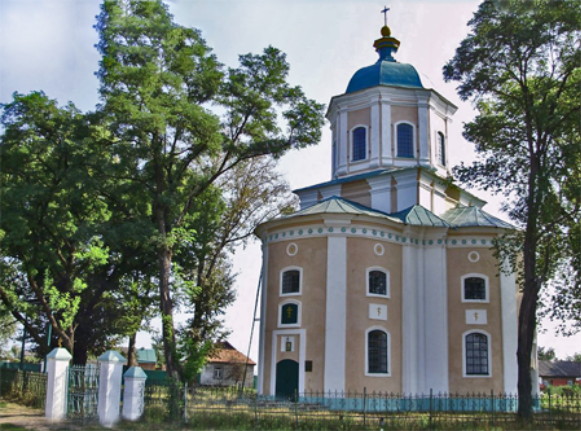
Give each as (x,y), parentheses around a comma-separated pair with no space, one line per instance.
(474,289)
(291,281)
(218,373)
(476,354)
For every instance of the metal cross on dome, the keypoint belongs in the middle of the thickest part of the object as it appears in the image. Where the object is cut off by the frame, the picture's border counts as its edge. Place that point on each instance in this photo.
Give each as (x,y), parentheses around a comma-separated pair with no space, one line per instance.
(384,12)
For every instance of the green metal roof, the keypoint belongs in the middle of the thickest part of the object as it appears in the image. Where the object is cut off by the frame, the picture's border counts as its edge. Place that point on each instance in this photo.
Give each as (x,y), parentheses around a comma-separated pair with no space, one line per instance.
(473,217)
(349,179)
(146,356)
(338,205)
(417,215)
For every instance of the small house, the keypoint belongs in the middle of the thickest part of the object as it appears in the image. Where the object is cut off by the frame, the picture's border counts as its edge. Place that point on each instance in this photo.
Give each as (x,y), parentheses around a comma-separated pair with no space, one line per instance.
(560,373)
(226,368)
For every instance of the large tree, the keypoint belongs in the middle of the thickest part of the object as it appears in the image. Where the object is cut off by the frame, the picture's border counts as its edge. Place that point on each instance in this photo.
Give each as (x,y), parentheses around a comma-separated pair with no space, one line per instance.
(520,65)
(158,81)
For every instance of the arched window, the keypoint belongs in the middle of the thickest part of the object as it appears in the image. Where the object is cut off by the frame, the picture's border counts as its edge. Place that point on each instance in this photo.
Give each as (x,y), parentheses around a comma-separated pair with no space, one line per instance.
(377,352)
(377,282)
(476,354)
(405,140)
(290,281)
(289,314)
(475,288)
(359,139)
(441,149)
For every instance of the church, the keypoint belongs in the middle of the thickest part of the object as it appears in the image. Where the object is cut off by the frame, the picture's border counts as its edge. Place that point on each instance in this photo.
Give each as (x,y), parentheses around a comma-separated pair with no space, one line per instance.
(385,280)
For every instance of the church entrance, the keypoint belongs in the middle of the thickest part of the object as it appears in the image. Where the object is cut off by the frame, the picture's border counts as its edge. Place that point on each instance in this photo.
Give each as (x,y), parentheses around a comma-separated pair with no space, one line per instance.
(287,379)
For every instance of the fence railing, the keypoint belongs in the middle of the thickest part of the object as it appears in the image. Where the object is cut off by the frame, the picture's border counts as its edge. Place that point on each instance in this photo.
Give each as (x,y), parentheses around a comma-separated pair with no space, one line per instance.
(25,387)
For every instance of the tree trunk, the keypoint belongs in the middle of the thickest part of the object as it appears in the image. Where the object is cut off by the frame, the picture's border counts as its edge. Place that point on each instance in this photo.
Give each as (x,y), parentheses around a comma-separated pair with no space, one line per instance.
(131,353)
(166,307)
(81,347)
(528,308)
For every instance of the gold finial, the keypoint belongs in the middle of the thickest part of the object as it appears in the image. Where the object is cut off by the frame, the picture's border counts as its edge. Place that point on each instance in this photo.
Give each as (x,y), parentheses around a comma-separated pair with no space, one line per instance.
(385,31)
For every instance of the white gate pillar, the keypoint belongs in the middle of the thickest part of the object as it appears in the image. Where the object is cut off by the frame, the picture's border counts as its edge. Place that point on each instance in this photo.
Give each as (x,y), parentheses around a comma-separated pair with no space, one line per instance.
(134,393)
(56,390)
(110,375)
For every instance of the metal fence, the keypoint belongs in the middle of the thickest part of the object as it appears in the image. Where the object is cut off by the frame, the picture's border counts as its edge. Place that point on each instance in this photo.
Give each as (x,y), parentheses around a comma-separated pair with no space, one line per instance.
(25,387)
(230,408)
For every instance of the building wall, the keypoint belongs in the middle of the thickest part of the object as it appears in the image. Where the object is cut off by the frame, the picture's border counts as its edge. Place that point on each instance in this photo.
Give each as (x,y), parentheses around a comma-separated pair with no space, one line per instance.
(361,255)
(229,375)
(311,257)
(459,265)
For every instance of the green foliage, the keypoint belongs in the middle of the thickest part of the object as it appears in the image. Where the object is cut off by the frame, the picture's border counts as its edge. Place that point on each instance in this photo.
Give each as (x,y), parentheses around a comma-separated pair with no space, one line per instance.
(157,81)
(547,354)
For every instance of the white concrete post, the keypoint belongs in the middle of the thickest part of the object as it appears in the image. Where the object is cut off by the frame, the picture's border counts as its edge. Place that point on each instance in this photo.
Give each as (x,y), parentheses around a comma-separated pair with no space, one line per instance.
(110,375)
(56,391)
(134,393)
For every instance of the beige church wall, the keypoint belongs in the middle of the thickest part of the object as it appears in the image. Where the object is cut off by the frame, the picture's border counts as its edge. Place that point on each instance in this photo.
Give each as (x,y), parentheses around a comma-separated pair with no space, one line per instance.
(358,321)
(360,116)
(312,258)
(404,113)
(458,265)
(357,191)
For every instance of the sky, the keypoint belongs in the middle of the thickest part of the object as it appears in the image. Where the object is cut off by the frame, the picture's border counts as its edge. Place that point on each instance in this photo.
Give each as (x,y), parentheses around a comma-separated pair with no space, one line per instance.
(49,45)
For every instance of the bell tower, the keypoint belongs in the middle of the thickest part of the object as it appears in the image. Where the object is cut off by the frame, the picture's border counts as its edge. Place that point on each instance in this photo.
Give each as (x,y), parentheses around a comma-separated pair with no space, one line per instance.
(387,119)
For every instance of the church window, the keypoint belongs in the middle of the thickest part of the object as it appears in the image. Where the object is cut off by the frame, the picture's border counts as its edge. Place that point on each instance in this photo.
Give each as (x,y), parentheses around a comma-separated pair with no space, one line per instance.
(377,352)
(290,281)
(476,354)
(475,288)
(441,149)
(377,282)
(289,314)
(359,140)
(405,140)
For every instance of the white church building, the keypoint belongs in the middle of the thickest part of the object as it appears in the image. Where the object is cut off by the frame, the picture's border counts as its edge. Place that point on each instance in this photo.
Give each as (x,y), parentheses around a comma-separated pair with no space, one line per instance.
(386,279)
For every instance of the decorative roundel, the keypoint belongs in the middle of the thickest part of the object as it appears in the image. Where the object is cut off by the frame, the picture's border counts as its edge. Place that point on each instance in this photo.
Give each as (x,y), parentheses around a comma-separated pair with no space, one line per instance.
(378,249)
(473,256)
(292,249)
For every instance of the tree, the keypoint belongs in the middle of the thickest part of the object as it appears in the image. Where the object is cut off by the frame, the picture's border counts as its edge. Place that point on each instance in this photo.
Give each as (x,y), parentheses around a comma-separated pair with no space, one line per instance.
(157,81)
(547,354)
(520,66)
(50,215)
(223,216)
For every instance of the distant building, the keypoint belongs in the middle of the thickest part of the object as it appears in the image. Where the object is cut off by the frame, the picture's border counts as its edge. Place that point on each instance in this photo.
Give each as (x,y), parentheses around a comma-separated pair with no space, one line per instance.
(226,368)
(560,373)
(146,358)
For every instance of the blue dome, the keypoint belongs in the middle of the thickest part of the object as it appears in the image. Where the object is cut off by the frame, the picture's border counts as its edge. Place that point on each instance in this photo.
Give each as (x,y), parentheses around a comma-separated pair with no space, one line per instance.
(385,72)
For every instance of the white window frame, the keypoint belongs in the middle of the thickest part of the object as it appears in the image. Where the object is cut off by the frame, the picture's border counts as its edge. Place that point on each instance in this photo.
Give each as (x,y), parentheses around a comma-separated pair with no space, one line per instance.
(414,140)
(486,288)
(489,343)
(218,372)
(387,282)
(439,149)
(299,314)
(351,142)
(383,329)
(291,268)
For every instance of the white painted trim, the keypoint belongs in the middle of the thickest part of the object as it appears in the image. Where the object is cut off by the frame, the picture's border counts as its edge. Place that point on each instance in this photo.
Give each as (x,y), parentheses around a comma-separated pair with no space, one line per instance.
(409,325)
(262,328)
(414,141)
(291,268)
(367,331)
(335,314)
(387,282)
(489,343)
(486,288)
(299,312)
(302,334)
(508,306)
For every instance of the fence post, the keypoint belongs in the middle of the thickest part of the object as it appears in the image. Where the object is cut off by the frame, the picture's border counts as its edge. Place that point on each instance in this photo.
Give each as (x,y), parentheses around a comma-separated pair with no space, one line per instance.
(134,393)
(56,388)
(110,375)
(431,406)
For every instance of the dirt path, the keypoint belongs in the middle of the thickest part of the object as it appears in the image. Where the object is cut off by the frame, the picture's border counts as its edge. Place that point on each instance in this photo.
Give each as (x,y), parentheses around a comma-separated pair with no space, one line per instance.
(26,417)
